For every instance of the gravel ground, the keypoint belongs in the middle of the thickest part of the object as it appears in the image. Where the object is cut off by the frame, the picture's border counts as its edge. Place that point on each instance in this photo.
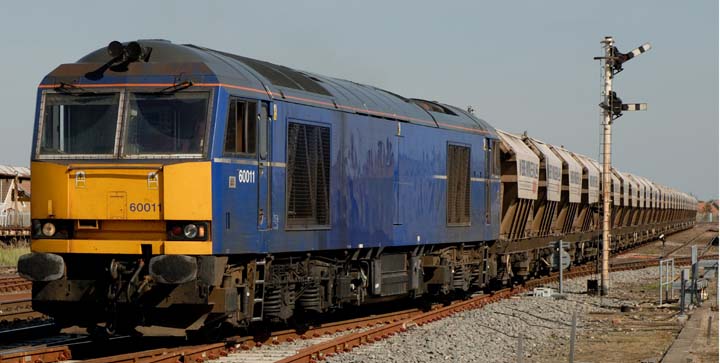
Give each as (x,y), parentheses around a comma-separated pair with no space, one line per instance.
(491,334)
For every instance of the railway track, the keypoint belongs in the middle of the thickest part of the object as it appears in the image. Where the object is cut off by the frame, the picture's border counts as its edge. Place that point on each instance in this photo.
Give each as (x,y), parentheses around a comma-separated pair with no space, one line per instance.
(17,318)
(14,283)
(207,351)
(709,245)
(40,354)
(19,321)
(17,307)
(707,234)
(324,340)
(703,229)
(15,299)
(634,249)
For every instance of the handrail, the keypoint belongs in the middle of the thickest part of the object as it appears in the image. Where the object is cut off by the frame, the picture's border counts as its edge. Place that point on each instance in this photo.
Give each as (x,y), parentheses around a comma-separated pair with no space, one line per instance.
(114,166)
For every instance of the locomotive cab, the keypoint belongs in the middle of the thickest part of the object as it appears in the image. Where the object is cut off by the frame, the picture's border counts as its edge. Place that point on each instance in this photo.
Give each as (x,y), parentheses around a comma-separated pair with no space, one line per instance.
(121,165)
(124,181)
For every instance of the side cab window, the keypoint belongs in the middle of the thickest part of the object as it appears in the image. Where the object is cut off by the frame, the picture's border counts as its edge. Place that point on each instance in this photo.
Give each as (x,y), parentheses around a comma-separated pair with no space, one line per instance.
(241,129)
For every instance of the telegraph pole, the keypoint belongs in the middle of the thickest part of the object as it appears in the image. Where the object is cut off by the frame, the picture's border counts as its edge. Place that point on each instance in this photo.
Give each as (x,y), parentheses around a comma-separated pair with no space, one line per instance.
(612,109)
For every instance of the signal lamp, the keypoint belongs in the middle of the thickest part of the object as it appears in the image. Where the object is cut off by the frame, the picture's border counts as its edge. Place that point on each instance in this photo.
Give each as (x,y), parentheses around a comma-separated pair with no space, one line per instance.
(190,231)
(48,229)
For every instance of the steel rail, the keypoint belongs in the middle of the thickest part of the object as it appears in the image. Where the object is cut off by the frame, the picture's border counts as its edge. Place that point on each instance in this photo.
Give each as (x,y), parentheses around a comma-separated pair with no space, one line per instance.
(708,245)
(245,343)
(41,355)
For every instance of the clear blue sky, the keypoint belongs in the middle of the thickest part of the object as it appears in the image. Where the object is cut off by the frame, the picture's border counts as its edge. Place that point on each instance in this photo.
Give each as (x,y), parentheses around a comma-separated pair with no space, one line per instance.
(523,65)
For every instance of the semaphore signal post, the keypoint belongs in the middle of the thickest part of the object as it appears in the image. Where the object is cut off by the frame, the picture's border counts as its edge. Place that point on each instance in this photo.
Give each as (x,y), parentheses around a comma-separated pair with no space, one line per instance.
(612,107)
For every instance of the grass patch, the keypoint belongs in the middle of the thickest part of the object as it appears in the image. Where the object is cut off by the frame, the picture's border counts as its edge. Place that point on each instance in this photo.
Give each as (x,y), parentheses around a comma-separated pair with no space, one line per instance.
(651,287)
(9,256)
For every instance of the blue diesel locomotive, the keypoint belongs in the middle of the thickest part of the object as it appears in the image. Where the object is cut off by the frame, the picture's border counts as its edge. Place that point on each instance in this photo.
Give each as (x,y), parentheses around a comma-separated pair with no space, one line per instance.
(180,186)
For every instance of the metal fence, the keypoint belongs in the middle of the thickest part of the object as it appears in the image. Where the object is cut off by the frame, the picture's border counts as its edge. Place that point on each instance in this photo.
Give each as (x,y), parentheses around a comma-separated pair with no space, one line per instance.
(667,275)
(10,218)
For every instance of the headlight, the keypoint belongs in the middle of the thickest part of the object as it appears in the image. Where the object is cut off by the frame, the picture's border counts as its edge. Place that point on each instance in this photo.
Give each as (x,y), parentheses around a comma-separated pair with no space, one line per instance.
(187,230)
(190,231)
(48,229)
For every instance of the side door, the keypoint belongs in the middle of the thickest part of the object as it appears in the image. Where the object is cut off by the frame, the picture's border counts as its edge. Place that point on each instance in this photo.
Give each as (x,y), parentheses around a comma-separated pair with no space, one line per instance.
(488,173)
(242,198)
(397,179)
(264,192)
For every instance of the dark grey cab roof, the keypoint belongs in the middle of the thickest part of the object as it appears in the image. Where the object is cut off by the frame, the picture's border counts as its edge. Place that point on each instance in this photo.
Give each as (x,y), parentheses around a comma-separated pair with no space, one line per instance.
(302,87)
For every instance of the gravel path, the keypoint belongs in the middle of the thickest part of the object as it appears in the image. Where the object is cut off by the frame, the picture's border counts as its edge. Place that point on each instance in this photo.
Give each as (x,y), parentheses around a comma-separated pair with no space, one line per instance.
(491,334)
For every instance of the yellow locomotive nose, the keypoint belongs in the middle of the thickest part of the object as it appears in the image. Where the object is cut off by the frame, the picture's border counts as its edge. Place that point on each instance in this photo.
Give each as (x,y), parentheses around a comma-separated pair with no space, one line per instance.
(117,208)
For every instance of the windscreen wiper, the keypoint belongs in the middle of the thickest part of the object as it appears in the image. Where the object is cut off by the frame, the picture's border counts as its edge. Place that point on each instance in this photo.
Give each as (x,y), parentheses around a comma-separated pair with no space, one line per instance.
(71,89)
(175,88)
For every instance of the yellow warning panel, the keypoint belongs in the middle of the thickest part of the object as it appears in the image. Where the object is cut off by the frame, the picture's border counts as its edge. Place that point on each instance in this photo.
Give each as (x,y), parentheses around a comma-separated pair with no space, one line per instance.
(188,191)
(49,195)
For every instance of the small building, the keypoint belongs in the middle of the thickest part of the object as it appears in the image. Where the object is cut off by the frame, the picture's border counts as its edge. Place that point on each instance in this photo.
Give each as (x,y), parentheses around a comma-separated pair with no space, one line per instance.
(14,203)
(707,211)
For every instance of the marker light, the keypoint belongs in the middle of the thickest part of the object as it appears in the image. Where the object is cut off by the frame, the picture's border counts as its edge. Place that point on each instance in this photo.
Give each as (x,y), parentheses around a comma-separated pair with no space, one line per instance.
(48,229)
(176,231)
(190,231)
